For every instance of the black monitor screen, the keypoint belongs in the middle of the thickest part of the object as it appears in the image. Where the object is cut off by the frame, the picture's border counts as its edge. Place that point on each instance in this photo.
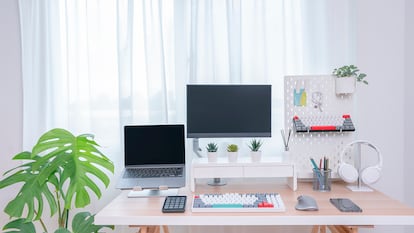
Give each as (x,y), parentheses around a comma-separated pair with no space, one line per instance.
(228,111)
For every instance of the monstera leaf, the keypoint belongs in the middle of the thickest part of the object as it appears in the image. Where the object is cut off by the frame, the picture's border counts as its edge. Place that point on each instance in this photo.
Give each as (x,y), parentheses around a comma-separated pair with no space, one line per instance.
(76,159)
(32,191)
(60,167)
(19,226)
(83,223)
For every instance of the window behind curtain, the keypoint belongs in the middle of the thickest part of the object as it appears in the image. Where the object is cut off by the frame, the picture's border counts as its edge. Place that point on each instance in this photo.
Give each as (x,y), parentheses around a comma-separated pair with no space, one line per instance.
(93,66)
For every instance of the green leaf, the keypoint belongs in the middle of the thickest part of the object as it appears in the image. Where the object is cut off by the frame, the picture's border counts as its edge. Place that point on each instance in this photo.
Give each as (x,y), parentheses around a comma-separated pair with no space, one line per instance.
(25,155)
(70,164)
(62,230)
(78,159)
(19,225)
(83,222)
(30,195)
(21,156)
(255,145)
(349,71)
(361,76)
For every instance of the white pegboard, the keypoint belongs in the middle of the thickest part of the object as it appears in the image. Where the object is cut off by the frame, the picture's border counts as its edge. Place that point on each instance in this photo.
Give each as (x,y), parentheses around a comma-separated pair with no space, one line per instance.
(320,90)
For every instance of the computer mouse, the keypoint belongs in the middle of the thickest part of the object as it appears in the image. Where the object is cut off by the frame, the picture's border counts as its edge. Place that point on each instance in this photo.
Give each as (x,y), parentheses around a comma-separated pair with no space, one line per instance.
(306,203)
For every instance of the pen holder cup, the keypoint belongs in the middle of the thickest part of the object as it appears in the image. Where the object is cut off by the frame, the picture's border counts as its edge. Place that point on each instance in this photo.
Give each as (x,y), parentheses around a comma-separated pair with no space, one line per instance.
(322,180)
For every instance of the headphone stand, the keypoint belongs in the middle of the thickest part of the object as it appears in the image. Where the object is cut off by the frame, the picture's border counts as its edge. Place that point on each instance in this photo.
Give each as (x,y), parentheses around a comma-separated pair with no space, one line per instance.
(359,187)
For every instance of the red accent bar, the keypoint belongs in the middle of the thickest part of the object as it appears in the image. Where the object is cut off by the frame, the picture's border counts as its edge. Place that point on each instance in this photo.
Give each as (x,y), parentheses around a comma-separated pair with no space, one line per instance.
(323,127)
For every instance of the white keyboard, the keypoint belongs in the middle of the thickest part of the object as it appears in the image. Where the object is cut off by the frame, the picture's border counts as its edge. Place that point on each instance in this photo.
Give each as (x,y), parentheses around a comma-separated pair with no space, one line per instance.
(238,202)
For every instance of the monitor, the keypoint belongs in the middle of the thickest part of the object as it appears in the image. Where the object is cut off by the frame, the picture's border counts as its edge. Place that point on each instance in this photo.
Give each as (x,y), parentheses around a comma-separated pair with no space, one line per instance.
(216,111)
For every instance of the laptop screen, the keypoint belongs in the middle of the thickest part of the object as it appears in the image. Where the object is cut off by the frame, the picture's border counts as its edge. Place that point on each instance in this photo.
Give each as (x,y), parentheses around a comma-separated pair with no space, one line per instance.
(154,144)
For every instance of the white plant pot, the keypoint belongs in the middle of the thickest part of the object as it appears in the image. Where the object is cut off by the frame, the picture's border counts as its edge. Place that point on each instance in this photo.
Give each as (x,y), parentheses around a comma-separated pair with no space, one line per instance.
(345,85)
(232,156)
(212,157)
(256,156)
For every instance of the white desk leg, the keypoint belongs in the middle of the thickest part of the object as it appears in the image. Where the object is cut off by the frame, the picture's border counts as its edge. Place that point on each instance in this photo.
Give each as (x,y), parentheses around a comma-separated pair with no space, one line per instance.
(293,181)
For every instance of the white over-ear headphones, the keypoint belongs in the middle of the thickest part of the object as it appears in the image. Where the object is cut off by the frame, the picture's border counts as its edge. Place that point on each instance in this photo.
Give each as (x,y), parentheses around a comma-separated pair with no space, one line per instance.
(368,175)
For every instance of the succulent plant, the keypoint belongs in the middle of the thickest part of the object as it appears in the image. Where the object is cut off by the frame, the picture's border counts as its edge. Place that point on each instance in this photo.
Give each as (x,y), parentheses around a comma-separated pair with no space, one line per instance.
(212,147)
(255,145)
(232,148)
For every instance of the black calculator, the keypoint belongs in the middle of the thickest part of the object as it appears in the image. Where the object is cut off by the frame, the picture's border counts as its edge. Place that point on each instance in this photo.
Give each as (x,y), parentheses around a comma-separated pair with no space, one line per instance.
(174,204)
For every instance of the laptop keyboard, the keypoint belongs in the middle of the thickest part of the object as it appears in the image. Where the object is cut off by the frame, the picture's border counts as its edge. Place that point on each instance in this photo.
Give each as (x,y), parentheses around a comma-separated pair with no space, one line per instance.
(153,172)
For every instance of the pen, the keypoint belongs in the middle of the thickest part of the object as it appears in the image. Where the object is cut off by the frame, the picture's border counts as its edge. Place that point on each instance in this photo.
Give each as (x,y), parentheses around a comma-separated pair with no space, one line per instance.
(318,172)
(327,164)
(315,167)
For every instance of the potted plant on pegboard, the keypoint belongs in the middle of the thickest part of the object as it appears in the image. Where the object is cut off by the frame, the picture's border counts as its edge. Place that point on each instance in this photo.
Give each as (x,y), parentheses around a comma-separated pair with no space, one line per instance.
(346,78)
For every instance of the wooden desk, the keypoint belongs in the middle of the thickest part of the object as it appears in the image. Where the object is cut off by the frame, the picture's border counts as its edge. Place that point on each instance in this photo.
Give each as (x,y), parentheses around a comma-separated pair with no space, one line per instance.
(378,209)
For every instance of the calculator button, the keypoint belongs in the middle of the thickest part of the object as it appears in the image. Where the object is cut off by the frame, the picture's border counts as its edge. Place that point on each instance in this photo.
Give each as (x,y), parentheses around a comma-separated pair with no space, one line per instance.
(174,204)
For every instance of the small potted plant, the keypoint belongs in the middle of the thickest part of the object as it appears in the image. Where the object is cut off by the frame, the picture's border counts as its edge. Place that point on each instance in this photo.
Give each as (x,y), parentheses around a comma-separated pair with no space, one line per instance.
(232,151)
(255,152)
(212,152)
(346,78)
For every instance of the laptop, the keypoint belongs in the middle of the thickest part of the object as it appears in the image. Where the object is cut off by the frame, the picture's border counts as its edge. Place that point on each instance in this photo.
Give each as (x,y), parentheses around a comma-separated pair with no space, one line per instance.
(154,157)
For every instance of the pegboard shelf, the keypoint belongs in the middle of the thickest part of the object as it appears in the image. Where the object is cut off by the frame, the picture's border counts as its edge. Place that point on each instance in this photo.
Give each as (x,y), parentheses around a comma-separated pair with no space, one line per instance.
(312,100)
(341,124)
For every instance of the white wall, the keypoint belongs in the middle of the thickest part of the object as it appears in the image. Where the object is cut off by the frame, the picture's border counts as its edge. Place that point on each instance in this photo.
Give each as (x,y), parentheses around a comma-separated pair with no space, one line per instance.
(385,52)
(380,53)
(10,93)
(409,106)
(381,106)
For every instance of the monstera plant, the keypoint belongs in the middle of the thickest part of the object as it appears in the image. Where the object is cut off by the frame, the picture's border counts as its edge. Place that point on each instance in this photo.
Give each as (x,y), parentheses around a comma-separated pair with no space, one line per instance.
(60,172)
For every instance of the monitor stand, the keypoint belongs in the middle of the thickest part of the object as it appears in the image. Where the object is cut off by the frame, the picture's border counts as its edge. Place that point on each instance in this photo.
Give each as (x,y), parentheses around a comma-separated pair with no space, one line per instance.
(197,149)
(217,182)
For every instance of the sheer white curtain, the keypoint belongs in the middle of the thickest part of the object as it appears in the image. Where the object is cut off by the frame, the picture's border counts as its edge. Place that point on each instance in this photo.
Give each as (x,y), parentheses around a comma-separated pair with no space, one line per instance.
(94,66)
(250,41)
